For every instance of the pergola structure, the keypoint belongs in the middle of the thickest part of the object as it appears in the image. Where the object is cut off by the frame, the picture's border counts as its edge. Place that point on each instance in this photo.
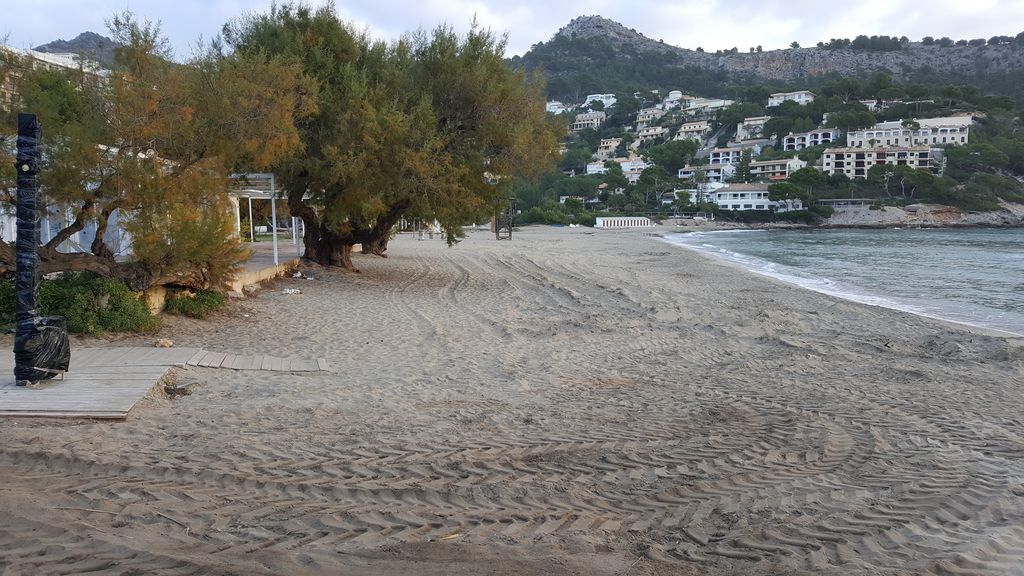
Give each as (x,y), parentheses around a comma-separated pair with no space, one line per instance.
(261,186)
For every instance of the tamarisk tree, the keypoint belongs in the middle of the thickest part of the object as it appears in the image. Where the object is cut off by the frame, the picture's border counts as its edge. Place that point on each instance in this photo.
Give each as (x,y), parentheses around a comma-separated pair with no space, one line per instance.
(147,149)
(432,126)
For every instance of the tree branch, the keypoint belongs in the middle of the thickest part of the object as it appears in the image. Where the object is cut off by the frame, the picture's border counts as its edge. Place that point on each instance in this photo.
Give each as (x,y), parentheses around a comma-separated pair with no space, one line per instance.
(72,228)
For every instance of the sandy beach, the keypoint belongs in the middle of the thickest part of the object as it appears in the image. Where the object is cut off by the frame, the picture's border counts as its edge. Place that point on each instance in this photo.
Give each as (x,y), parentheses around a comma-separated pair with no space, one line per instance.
(570,402)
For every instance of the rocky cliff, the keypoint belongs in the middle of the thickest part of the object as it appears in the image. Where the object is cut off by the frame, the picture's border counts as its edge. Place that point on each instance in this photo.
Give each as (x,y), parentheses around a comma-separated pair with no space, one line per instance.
(592,39)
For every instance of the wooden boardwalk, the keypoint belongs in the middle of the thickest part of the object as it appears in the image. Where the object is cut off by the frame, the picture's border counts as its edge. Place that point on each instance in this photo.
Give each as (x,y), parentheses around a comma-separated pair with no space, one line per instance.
(108,382)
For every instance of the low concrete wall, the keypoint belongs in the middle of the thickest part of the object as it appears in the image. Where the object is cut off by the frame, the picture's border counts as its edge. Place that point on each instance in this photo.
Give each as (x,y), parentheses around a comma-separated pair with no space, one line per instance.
(257,276)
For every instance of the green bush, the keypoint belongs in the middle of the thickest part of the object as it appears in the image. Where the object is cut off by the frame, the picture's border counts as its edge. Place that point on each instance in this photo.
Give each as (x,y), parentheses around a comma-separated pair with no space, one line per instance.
(198,305)
(88,303)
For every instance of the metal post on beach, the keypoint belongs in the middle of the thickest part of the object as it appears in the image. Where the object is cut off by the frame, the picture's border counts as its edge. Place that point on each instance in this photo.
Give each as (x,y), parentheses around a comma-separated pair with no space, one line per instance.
(273,216)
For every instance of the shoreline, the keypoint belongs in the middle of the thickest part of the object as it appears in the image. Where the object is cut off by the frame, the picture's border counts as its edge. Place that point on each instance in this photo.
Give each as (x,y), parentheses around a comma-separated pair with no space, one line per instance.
(866,300)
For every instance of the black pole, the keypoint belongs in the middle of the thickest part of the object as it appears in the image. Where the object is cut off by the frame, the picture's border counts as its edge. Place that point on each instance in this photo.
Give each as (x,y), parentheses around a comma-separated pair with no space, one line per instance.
(41,348)
(26,281)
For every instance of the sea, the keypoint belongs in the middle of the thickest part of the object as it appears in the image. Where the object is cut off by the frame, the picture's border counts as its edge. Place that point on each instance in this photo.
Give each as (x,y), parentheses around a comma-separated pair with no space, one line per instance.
(971,276)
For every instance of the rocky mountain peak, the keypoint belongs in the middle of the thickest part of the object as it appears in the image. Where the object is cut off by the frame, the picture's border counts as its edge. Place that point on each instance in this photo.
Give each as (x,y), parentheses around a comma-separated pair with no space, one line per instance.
(93,46)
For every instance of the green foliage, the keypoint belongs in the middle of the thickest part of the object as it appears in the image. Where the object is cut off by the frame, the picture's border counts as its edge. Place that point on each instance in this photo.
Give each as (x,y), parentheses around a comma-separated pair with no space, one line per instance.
(88,303)
(434,126)
(808,177)
(672,155)
(198,305)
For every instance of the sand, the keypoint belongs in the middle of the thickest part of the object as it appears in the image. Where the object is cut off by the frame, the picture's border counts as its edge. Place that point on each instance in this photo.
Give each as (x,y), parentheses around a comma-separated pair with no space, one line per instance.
(570,402)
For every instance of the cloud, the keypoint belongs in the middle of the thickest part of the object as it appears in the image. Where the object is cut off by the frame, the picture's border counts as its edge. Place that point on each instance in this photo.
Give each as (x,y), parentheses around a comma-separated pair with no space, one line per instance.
(711,24)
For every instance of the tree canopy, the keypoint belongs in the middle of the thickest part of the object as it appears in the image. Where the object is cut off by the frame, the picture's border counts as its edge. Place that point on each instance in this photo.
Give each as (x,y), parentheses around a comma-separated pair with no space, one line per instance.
(147,150)
(433,126)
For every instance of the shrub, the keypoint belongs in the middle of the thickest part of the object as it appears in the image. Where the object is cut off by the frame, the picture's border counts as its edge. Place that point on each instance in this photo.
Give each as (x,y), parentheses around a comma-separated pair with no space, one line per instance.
(88,303)
(198,305)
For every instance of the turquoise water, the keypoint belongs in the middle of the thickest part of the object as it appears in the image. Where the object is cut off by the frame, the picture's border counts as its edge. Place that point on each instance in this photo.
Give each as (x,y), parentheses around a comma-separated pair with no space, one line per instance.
(971,276)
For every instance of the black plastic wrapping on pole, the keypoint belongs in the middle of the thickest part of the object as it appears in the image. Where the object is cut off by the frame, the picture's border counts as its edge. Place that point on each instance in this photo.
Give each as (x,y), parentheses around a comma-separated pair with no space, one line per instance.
(41,348)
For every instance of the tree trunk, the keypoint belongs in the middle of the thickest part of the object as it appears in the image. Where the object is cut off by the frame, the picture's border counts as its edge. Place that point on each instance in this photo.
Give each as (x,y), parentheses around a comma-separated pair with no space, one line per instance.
(377,246)
(345,258)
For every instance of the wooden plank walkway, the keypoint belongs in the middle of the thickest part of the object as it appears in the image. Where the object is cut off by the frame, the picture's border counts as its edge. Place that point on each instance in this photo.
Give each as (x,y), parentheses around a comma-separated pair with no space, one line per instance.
(108,382)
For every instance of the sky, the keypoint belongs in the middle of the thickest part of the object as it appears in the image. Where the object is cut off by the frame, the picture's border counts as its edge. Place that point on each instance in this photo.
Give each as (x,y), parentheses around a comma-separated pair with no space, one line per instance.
(709,24)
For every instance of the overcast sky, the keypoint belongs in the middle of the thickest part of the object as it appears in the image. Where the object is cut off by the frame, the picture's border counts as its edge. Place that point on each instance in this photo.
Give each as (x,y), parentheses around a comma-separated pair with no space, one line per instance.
(710,24)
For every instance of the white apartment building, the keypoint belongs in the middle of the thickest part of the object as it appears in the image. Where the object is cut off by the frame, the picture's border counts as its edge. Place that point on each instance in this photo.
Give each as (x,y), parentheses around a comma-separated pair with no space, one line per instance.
(693,130)
(45,61)
(746,197)
(607,148)
(732,155)
(855,162)
(776,169)
(588,120)
(674,98)
(596,168)
(607,99)
(803,140)
(802,97)
(648,115)
(704,106)
(651,133)
(951,130)
(555,107)
(737,197)
(717,173)
(632,168)
(751,128)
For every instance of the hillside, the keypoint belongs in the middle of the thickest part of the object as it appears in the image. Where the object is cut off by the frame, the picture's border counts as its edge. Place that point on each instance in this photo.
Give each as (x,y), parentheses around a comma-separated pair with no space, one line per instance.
(594,54)
(90,44)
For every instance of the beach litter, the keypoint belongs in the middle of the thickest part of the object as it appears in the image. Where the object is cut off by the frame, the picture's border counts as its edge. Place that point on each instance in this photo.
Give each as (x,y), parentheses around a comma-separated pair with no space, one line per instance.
(292,291)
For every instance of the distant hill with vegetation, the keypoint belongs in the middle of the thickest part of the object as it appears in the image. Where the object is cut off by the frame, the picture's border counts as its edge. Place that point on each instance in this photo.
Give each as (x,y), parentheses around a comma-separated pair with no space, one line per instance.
(594,55)
(93,46)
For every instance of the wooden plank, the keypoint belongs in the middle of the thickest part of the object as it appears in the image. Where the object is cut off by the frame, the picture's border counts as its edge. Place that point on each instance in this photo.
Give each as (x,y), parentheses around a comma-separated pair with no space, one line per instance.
(265,362)
(194,360)
(212,359)
(120,415)
(218,360)
(304,365)
(321,364)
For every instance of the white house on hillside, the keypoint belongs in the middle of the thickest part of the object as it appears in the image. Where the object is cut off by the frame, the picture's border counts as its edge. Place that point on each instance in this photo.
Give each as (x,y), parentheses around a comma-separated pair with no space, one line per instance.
(703,106)
(607,148)
(732,155)
(648,115)
(802,97)
(751,197)
(651,133)
(779,169)
(802,140)
(751,128)
(712,173)
(588,120)
(693,130)
(607,99)
(632,168)
(556,107)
